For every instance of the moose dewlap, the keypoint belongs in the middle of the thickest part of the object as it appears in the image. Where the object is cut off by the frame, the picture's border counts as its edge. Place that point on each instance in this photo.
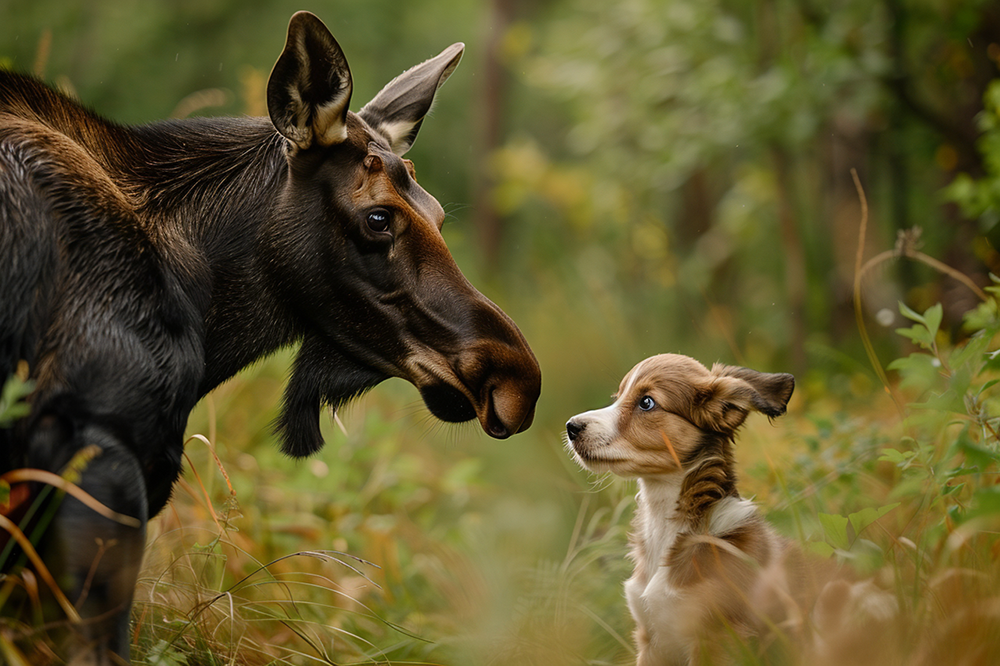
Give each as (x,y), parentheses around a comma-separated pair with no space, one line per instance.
(140,267)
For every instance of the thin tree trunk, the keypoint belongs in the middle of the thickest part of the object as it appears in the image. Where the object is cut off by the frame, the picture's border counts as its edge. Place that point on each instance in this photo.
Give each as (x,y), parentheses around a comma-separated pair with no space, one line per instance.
(493,97)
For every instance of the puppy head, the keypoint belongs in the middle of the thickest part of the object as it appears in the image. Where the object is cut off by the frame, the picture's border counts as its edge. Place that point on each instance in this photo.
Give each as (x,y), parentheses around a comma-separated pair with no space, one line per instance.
(664,409)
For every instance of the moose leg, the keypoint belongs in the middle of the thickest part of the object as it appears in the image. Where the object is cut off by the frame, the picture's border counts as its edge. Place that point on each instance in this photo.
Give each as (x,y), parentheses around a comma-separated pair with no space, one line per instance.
(95,559)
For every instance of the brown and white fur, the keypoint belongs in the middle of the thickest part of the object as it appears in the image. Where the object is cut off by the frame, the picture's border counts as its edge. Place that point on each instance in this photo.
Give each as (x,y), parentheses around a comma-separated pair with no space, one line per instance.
(708,568)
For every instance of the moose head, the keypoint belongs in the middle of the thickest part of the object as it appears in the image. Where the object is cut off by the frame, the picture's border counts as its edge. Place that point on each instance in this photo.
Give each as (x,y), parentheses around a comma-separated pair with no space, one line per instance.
(356,253)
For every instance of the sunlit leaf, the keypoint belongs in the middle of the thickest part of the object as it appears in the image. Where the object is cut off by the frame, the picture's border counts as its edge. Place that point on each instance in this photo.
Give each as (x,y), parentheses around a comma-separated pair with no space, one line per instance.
(911,314)
(932,319)
(862,519)
(835,530)
(918,334)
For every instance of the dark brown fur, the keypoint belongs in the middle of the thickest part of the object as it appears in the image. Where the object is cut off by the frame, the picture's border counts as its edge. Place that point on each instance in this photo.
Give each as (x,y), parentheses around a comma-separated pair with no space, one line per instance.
(140,267)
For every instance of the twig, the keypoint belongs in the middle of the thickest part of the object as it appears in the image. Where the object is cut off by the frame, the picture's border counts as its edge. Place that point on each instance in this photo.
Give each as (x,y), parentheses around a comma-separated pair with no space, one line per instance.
(859,317)
(42,476)
(40,568)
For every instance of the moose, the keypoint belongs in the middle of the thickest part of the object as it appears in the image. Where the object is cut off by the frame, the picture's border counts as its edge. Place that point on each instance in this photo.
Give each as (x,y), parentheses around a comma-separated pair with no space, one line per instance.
(142,266)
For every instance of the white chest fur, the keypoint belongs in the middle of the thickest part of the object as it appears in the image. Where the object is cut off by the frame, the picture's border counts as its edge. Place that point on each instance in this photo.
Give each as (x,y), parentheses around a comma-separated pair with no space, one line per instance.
(661,610)
(651,598)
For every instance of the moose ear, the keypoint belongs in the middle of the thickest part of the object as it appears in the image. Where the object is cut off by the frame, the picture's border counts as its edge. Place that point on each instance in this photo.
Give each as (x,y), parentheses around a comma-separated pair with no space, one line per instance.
(400,107)
(310,86)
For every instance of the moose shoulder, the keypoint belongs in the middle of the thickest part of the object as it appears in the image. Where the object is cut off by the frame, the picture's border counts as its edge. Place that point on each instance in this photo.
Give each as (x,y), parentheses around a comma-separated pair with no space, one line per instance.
(142,266)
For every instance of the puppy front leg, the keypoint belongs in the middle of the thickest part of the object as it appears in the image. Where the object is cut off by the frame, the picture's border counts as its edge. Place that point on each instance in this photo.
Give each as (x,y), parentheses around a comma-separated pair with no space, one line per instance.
(641,638)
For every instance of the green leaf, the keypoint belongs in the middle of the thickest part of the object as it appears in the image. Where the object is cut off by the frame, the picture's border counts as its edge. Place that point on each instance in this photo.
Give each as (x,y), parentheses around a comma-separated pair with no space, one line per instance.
(835,529)
(972,352)
(949,489)
(988,385)
(977,455)
(821,548)
(910,314)
(985,503)
(862,519)
(918,334)
(896,456)
(920,371)
(12,406)
(949,401)
(932,319)
(164,654)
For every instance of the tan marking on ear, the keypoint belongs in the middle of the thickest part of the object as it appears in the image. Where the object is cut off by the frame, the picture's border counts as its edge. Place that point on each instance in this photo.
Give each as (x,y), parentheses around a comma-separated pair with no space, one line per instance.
(397,133)
(328,116)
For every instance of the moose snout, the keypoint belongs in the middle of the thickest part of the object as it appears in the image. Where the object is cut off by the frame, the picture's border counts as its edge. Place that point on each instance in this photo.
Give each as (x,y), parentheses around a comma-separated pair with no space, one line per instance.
(495,385)
(511,410)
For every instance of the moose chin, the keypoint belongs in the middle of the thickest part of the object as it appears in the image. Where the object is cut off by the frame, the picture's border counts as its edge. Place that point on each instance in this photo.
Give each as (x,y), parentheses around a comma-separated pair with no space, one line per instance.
(140,267)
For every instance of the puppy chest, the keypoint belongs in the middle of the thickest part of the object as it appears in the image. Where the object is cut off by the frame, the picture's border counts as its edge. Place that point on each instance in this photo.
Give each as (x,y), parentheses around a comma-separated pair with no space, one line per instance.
(659,608)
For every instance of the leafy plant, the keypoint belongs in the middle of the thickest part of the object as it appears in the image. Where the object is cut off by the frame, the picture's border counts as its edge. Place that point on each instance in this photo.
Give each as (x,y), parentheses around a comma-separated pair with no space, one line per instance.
(12,404)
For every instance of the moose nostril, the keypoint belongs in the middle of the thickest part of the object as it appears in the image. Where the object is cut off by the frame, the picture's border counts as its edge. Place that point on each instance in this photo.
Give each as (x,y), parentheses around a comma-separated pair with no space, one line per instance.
(573,429)
(498,431)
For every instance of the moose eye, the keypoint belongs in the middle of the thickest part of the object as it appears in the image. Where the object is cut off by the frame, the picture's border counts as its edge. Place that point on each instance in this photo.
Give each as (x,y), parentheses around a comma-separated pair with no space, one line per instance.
(646,403)
(378,220)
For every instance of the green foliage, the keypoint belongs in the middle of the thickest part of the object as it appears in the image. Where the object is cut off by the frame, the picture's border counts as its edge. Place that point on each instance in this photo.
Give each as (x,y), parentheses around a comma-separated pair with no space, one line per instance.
(12,405)
(980,197)
(952,456)
(657,159)
(842,533)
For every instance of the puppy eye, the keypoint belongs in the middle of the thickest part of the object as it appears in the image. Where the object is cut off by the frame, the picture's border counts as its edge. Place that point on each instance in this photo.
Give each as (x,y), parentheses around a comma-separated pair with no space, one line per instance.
(646,403)
(378,220)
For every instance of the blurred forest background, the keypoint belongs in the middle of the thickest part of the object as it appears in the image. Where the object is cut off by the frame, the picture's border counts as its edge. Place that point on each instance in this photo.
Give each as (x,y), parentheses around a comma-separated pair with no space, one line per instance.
(623,178)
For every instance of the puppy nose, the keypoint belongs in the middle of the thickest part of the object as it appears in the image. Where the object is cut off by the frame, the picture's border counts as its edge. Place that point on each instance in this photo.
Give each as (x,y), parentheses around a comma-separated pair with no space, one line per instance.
(574,428)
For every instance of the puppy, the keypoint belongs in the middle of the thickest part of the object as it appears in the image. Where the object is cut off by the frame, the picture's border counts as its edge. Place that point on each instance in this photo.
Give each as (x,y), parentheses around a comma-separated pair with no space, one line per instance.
(709,571)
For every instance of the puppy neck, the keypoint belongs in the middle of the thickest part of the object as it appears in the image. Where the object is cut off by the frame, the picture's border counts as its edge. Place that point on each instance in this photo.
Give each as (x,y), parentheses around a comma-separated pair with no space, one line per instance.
(658,519)
(709,478)
(659,495)
(685,499)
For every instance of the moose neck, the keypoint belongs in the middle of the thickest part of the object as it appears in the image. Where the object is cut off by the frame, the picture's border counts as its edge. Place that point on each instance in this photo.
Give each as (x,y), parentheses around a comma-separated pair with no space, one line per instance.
(211,184)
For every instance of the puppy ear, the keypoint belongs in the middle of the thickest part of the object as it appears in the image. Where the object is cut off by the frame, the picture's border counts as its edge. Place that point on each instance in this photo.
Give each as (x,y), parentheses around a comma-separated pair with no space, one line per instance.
(770,392)
(723,403)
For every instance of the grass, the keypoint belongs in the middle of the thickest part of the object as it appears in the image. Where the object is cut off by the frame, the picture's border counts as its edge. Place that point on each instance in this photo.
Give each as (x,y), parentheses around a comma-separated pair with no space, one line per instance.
(504,553)
(408,542)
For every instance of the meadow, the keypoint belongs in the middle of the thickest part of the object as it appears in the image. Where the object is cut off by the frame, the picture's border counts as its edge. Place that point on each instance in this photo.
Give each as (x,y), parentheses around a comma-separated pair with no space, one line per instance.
(449,549)
(623,179)
(408,541)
